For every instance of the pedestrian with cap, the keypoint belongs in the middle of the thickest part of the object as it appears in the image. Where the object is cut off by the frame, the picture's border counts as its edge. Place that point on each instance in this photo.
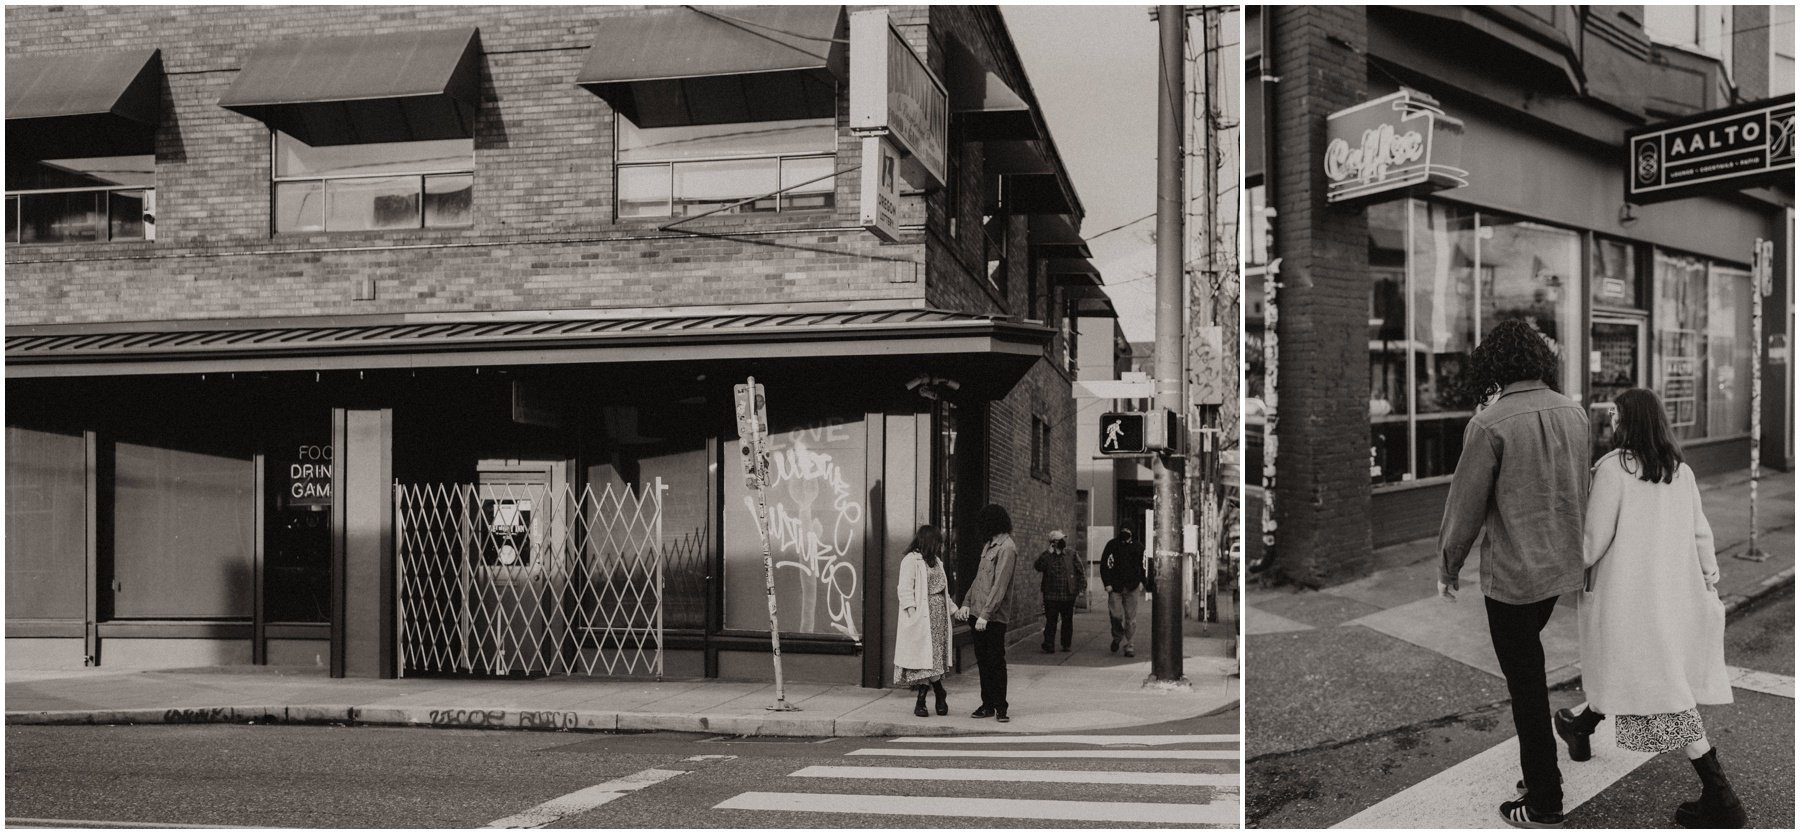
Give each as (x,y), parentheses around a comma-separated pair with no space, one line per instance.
(1065,579)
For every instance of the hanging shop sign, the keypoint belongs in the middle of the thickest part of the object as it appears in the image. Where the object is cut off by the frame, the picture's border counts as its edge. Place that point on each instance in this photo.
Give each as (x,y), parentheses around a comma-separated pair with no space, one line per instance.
(893,93)
(1395,145)
(880,201)
(1718,151)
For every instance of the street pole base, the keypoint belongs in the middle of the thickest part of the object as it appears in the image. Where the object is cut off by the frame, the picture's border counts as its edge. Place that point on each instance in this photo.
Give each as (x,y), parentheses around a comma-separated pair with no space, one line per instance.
(1754,554)
(782,706)
(1177,685)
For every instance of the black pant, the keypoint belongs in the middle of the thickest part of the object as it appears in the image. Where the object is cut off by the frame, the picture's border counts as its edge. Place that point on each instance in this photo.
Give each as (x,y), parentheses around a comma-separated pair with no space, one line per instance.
(1054,609)
(1515,629)
(990,656)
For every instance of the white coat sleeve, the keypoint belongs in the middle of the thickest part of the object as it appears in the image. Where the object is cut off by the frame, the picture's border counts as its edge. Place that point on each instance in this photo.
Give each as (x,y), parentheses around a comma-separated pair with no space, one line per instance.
(1703,536)
(1604,500)
(908,589)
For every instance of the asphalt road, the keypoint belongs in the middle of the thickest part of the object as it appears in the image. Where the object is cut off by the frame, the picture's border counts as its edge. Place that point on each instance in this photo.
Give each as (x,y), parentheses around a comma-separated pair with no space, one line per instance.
(1322,785)
(351,777)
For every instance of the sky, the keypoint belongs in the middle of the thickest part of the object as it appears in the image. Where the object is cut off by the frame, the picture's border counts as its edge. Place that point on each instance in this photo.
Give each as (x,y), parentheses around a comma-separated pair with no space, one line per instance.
(1094,71)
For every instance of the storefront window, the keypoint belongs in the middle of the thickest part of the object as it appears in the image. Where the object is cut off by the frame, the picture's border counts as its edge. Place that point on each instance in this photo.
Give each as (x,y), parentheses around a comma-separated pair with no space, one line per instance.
(1681,323)
(1442,275)
(818,507)
(297,556)
(1729,353)
(89,200)
(46,530)
(1530,271)
(1613,272)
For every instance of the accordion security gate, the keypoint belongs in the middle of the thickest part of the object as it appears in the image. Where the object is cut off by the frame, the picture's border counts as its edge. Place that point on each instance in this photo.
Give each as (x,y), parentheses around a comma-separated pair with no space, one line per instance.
(501,579)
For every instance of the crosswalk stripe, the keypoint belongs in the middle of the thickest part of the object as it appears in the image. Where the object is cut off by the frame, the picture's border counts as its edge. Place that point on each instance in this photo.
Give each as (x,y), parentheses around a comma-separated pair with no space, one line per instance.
(1154,741)
(1765,682)
(1048,754)
(971,774)
(1469,794)
(954,806)
(583,800)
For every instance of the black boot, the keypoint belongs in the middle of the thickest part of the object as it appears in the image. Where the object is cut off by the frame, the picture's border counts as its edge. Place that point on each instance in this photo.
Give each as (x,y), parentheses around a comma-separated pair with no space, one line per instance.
(1575,730)
(943,700)
(1718,805)
(919,708)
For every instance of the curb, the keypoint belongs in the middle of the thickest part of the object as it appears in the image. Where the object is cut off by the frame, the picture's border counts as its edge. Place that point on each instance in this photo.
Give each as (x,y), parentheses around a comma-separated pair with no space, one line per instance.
(484,719)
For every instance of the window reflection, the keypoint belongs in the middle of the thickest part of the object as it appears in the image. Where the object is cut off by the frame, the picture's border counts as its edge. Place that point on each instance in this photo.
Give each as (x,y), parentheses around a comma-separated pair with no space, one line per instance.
(387,185)
(688,170)
(1529,272)
(81,200)
(1681,318)
(1389,404)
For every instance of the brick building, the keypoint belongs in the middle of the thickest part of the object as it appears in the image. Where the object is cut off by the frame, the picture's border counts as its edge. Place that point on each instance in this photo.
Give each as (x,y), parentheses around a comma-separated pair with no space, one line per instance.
(1383,295)
(404,339)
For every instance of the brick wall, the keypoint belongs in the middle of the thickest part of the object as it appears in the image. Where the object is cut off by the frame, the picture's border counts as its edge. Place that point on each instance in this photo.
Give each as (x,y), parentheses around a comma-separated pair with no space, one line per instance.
(1037,506)
(544,236)
(1322,488)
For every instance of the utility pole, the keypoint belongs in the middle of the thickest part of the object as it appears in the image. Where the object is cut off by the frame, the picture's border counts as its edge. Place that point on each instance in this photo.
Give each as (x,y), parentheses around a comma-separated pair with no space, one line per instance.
(1171,210)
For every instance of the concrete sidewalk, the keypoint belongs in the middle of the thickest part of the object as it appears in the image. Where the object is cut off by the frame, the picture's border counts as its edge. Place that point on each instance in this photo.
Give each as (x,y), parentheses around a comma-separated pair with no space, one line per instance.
(1087,689)
(1391,654)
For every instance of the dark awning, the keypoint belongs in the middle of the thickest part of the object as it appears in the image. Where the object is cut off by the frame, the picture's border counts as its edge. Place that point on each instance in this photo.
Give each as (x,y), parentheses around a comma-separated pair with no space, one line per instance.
(1073,271)
(509,339)
(987,107)
(83,104)
(1056,236)
(1034,194)
(1089,302)
(689,66)
(364,88)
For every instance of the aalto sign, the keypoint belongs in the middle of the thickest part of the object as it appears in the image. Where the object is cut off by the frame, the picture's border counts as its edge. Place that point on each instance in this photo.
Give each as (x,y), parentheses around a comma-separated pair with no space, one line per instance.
(1397,143)
(1719,151)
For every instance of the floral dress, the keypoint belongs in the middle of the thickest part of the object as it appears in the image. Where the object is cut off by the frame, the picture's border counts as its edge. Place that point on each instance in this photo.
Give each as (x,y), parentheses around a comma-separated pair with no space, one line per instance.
(936,585)
(1658,733)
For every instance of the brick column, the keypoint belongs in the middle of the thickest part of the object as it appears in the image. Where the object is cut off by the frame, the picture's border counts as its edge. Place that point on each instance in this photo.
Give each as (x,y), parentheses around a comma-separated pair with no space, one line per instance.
(1322,484)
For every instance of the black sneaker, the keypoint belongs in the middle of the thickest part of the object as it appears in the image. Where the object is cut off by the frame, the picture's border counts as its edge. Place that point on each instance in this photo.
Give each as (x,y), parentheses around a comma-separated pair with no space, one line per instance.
(1049,650)
(1519,815)
(984,712)
(1115,645)
(1001,717)
(1065,648)
(1129,654)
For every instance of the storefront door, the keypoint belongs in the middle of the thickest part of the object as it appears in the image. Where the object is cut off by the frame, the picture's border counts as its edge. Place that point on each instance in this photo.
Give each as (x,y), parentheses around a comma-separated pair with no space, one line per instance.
(1616,362)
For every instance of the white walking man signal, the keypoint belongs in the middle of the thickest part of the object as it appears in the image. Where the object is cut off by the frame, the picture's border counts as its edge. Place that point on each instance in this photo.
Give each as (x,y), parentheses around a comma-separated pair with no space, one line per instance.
(1113,429)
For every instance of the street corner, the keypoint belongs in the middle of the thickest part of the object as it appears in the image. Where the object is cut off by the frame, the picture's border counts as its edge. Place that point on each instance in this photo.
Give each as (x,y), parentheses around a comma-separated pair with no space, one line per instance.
(1322,687)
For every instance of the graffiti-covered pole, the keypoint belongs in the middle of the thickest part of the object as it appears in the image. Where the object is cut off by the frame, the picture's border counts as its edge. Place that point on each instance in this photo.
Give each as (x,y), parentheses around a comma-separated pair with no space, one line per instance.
(1762,274)
(753,437)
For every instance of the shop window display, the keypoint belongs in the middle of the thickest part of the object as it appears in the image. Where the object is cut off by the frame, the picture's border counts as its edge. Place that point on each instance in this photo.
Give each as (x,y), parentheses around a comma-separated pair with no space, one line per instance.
(1442,275)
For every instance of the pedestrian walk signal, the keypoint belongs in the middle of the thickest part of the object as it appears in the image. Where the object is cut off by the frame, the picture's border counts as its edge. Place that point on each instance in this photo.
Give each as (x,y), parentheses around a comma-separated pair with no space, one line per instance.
(1123,434)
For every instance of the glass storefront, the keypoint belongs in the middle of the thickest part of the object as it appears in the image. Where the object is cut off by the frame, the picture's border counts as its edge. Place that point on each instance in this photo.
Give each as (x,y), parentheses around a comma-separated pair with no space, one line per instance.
(1442,276)
(1703,350)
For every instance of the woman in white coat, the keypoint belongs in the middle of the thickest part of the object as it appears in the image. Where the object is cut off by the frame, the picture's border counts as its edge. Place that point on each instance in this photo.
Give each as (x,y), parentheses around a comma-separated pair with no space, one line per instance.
(922,641)
(1652,626)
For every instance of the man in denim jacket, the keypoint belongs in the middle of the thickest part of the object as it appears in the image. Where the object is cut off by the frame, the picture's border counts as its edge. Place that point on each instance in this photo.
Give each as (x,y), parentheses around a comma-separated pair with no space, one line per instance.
(1523,478)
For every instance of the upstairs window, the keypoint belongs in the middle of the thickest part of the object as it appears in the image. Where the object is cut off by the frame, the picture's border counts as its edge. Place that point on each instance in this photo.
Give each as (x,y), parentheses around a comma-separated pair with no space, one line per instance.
(89,200)
(383,185)
(686,170)
(1705,29)
(995,230)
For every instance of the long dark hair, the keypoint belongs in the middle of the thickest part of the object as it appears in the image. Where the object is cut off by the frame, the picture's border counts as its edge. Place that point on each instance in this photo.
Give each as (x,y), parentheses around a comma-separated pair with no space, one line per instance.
(1513,351)
(928,542)
(1642,431)
(992,521)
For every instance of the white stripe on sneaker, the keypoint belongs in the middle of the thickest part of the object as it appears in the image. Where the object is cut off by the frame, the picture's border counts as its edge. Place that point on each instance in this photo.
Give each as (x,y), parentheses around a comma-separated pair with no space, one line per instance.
(972,774)
(1164,813)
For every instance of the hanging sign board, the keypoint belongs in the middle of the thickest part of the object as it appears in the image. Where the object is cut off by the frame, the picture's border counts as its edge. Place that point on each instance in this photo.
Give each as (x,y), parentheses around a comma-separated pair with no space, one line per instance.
(1396,145)
(893,93)
(880,202)
(1719,151)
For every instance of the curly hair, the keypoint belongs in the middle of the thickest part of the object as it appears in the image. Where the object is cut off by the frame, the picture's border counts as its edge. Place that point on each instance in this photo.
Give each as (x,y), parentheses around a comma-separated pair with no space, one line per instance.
(993,520)
(1513,351)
